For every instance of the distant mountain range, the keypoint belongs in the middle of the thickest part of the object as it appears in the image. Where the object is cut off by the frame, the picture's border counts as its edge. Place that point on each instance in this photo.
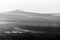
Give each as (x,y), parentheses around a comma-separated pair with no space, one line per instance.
(30,13)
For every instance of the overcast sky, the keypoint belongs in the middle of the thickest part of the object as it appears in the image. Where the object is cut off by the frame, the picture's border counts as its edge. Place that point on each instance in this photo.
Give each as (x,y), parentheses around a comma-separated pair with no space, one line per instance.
(44,6)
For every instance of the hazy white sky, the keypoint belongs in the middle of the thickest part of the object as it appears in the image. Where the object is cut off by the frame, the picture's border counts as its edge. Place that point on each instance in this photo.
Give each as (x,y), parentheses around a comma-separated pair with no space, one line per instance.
(49,6)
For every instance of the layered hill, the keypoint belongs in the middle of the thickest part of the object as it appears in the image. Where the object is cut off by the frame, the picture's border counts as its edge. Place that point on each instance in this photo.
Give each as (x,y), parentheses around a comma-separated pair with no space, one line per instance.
(31,21)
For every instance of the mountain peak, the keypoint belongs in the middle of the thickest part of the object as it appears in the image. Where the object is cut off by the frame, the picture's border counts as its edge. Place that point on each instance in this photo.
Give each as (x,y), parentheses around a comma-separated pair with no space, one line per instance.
(15,11)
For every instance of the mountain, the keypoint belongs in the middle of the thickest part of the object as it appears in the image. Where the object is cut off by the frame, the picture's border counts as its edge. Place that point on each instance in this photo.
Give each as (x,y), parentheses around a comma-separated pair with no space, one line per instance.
(32,21)
(15,11)
(29,13)
(31,18)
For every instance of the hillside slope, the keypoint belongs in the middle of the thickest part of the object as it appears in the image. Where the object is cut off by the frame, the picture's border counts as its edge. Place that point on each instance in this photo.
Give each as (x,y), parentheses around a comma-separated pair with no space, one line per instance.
(31,21)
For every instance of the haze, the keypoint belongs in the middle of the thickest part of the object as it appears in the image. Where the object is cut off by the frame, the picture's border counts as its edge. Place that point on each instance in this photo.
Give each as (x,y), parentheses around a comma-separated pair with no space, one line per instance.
(40,6)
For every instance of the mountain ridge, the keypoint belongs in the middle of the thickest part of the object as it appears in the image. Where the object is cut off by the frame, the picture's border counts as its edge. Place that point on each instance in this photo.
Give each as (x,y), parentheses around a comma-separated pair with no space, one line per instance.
(30,13)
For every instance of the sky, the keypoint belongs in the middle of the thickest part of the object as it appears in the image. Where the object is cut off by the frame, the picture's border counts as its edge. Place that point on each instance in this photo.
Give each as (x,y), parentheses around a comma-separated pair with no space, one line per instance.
(40,6)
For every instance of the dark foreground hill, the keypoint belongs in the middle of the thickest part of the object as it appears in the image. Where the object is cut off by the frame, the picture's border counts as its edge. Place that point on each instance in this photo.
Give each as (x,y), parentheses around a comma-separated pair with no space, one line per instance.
(30,36)
(42,34)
